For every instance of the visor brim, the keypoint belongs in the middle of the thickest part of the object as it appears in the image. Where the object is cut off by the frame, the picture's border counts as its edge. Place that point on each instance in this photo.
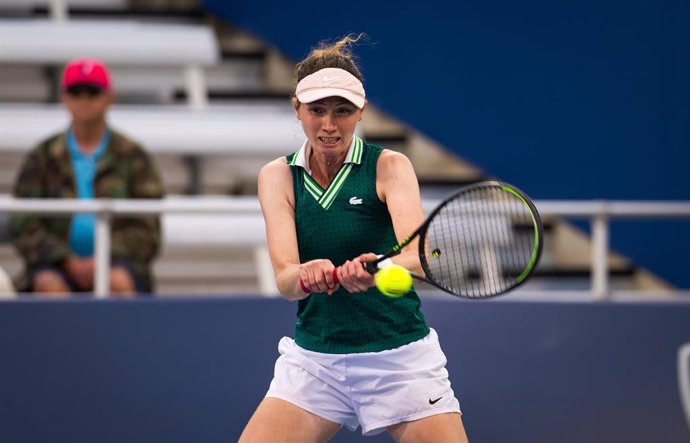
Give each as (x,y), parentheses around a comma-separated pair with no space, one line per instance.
(317,94)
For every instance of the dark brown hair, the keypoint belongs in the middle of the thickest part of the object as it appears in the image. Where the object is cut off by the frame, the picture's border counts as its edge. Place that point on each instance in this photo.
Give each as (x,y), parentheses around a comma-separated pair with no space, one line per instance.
(336,55)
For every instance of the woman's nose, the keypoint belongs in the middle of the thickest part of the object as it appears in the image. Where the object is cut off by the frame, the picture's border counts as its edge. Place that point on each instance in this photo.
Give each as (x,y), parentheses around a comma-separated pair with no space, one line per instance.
(328,122)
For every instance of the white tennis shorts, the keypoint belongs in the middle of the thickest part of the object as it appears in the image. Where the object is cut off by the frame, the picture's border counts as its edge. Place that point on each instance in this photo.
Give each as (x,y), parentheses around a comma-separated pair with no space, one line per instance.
(372,389)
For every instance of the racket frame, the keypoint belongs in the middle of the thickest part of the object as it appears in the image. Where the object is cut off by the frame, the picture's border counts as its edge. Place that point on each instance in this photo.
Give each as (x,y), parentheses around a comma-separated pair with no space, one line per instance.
(372,266)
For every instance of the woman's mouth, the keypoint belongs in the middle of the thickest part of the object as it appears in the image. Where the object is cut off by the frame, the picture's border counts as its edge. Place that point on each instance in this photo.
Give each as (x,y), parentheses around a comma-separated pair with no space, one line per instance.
(329,140)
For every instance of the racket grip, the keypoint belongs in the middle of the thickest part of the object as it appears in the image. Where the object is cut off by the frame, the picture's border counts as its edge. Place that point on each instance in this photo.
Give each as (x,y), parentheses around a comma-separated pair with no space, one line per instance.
(371,267)
(307,290)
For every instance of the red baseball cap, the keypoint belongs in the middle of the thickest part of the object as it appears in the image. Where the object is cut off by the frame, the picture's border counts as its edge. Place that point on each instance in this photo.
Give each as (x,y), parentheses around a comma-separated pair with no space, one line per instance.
(86,71)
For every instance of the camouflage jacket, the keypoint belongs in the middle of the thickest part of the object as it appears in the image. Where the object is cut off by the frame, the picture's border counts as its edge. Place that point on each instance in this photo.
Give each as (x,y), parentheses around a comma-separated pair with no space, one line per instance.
(124,171)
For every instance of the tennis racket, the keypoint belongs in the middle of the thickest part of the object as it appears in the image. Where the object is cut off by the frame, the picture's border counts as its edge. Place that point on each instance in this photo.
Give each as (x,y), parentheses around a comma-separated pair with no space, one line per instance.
(484,240)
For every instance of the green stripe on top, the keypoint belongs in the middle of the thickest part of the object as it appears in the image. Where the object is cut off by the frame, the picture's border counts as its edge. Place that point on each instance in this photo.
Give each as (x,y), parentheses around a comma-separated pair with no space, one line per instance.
(310,184)
(357,157)
(336,185)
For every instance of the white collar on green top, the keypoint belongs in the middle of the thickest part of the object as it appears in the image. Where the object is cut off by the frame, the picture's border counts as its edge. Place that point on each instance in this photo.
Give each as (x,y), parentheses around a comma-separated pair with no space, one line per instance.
(325,197)
(354,154)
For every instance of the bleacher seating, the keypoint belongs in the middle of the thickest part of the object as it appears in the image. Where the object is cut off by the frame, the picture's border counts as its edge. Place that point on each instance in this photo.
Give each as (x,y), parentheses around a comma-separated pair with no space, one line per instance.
(248,129)
(128,43)
(25,5)
(116,42)
(211,254)
(235,137)
(150,60)
(214,144)
(206,252)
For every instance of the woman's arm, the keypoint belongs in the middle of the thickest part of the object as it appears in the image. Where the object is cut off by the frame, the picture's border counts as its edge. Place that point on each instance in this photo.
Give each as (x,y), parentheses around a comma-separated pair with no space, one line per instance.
(277,200)
(397,186)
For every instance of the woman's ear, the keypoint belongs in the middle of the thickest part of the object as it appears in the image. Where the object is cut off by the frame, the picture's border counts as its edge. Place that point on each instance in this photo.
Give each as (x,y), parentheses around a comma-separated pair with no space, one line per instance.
(295,104)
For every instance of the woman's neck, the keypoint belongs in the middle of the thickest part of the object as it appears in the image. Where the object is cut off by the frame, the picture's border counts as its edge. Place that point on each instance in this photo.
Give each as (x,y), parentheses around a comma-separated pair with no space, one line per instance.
(324,167)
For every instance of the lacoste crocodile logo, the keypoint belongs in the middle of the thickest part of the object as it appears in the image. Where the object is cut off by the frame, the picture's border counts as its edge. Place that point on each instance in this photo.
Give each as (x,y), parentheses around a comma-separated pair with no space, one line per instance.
(355,201)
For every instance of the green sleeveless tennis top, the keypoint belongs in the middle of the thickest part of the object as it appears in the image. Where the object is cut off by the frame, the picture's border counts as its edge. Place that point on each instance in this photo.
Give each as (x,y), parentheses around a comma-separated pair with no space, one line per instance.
(340,223)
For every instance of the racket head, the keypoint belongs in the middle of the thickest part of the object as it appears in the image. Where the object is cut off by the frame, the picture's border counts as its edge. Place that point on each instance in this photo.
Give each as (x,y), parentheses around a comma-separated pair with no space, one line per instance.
(484,240)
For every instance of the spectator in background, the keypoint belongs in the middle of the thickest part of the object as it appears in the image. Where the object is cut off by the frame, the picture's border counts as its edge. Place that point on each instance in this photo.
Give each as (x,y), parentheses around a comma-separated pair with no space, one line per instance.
(88,160)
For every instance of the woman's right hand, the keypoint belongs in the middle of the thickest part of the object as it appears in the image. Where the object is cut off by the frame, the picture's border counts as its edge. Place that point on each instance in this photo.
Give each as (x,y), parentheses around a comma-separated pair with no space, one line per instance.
(317,276)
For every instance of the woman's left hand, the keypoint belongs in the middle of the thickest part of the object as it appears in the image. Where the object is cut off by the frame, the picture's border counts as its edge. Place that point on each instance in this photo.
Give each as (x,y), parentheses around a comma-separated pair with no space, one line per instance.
(352,275)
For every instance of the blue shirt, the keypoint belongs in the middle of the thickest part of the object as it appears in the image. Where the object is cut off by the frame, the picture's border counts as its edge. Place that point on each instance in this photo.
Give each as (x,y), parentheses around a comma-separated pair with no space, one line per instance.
(84,166)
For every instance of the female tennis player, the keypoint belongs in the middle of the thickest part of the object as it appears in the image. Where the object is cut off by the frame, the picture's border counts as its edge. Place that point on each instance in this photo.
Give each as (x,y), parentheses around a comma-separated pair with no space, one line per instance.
(359,358)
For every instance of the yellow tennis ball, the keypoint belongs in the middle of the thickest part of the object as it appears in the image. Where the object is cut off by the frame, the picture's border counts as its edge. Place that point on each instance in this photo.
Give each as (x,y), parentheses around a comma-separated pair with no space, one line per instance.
(393,281)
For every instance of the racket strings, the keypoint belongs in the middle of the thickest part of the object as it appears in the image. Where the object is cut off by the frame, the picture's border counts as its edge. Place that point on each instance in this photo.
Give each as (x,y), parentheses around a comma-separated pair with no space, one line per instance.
(480,242)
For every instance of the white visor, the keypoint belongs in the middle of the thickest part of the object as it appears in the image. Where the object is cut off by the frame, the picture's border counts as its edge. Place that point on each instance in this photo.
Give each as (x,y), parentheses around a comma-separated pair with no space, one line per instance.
(329,82)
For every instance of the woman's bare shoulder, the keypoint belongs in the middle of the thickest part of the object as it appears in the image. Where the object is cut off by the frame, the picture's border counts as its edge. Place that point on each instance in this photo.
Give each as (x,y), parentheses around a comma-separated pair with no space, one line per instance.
(277,169)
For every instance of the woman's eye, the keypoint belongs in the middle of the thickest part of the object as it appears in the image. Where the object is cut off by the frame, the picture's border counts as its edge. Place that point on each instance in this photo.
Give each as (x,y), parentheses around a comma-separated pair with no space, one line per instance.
(344,111)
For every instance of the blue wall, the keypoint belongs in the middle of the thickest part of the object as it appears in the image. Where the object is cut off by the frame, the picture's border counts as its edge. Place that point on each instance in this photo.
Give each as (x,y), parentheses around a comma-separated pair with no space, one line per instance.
(193,370)
(568,100)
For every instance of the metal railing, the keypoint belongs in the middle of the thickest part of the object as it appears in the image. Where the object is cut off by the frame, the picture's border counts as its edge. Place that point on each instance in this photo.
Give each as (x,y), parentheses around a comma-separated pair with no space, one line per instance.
(106,209)
(599,213)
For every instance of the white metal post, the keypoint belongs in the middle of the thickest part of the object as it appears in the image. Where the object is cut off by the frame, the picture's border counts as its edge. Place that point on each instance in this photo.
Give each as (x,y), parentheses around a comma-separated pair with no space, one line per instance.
(102,255)
(264,268)
(600,247)
(59,10)
(197,96)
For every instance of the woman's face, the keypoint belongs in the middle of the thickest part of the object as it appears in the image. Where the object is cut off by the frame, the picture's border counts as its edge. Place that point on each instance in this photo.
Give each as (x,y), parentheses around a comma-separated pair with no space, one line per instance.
(329,123)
